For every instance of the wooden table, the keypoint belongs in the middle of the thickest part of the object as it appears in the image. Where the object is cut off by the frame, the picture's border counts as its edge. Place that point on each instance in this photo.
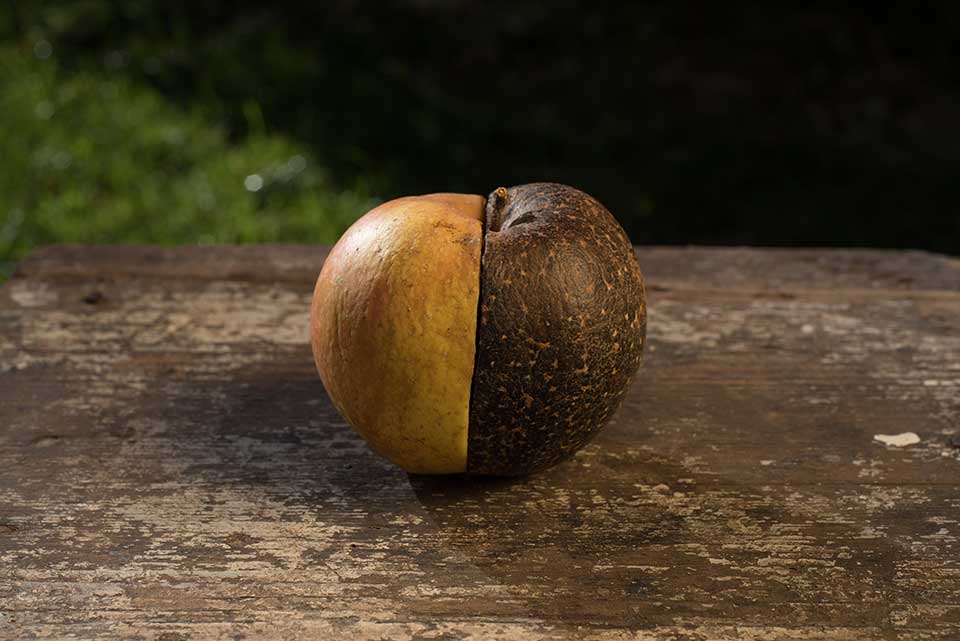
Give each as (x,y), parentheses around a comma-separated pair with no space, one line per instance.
(170,467)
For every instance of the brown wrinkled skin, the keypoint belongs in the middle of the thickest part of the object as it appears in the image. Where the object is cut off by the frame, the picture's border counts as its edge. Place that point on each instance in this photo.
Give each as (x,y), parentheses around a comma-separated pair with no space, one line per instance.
(561,328)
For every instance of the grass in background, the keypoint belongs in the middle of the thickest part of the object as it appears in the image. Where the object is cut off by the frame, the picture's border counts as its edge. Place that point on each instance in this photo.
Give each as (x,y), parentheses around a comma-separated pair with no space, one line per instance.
(91,158)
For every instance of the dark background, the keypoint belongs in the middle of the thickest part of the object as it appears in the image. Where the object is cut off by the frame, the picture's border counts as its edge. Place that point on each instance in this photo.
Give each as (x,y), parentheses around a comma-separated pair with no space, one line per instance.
(731,123)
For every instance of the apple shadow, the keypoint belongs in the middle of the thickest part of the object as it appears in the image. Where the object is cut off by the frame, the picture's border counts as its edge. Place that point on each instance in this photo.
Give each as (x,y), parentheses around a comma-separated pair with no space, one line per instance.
(276,431)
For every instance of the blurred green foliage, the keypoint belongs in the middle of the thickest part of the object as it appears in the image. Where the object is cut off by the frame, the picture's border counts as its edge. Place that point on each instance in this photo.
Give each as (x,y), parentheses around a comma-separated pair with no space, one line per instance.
(95,159)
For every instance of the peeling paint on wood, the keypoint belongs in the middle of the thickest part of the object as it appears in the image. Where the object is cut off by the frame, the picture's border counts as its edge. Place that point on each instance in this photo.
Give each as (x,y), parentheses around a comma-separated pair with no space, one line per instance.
(170,467)
(897,440)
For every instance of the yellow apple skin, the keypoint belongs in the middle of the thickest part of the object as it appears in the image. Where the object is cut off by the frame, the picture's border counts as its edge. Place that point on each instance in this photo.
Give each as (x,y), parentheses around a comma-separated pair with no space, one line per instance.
(393,327)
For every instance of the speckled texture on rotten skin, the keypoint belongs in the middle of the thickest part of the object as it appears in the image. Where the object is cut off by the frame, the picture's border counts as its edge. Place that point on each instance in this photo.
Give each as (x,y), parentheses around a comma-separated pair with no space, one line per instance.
(561,328)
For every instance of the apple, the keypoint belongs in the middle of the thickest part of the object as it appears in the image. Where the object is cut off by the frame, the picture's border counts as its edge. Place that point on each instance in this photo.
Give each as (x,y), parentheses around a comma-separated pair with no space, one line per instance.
(490,336)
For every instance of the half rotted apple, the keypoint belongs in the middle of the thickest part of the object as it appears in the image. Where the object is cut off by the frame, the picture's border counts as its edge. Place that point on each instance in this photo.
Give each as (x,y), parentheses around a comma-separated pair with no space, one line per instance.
(488,336)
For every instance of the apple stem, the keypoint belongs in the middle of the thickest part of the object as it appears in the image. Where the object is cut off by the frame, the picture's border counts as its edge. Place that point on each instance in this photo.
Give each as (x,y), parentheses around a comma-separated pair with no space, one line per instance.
(495,209)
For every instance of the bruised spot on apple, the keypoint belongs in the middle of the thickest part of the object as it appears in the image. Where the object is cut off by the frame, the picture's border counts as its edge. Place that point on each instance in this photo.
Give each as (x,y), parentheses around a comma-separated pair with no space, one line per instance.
(488,336)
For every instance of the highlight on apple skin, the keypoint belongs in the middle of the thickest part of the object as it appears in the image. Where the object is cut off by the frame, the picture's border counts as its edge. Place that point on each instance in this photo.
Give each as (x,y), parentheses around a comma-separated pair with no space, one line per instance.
(493,336)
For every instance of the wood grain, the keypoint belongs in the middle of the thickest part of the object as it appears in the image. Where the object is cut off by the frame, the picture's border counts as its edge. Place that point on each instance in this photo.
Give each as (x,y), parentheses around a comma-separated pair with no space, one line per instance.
(170,467)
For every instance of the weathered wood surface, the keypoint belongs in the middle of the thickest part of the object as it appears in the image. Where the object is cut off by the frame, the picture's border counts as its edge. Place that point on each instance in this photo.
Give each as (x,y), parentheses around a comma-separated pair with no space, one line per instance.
(170,467)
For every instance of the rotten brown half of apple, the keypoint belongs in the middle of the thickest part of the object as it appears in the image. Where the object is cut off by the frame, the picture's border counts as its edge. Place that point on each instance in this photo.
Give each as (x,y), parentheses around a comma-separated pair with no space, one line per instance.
(495,336)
